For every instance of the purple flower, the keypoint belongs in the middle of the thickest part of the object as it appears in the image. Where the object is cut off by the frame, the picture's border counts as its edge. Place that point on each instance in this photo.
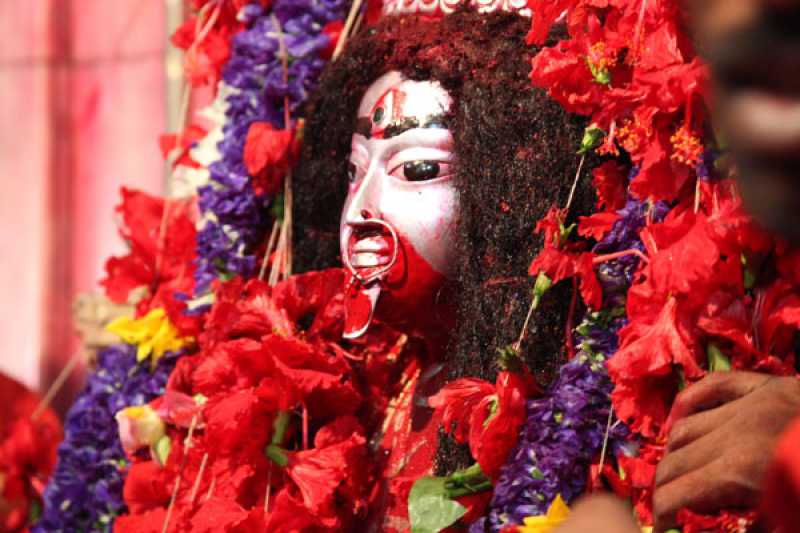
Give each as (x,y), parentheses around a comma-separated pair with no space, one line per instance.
(563,432)
(566,428)
(238,217)
(85,491)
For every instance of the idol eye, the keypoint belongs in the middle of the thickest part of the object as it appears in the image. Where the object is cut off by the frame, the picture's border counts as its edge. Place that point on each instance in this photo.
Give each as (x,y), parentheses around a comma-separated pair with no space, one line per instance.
(422,170)
(352,172)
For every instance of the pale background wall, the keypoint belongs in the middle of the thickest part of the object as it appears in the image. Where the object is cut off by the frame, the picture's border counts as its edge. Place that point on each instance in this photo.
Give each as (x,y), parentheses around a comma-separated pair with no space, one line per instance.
(82,102)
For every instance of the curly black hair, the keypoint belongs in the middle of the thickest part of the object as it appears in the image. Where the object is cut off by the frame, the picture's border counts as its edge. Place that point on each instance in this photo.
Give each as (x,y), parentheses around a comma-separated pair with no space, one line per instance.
(515,158)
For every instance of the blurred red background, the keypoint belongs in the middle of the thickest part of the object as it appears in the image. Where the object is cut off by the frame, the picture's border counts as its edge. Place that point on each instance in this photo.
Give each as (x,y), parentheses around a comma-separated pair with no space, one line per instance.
(86,87)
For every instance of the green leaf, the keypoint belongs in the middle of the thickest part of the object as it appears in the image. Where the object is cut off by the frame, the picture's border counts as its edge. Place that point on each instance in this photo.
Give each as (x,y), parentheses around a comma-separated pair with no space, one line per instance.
(749,276)
(277,208)
(717,361)
(277,455)
(470,480)
(601,75)
(162,449)
(429,508)
(279,427)
(508,359)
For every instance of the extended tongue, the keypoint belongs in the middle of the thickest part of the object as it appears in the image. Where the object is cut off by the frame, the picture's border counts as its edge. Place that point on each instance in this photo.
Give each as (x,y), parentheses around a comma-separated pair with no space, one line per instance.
(359,306)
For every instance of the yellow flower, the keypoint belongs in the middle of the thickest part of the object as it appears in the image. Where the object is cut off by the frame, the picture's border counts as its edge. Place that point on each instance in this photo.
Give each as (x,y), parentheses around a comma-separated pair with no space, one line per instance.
(153,334)
(556,515)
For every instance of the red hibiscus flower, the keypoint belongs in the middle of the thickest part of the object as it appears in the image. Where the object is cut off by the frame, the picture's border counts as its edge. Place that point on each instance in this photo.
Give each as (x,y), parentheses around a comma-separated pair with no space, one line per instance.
(169,143)
(486,416)
(319,472)
(561,259)
(161,235)
(268,155)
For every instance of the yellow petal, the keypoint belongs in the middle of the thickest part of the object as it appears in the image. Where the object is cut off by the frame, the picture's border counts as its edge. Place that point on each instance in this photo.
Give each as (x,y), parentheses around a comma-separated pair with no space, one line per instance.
(556,514)
(153,334)
(558,510)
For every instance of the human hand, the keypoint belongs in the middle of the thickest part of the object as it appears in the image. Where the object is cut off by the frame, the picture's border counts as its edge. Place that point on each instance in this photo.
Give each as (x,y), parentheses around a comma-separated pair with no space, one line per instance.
(601,513)
(723,432)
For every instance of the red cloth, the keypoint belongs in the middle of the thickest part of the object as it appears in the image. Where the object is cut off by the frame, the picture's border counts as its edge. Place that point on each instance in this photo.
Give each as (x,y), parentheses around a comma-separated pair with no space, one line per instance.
(781,499)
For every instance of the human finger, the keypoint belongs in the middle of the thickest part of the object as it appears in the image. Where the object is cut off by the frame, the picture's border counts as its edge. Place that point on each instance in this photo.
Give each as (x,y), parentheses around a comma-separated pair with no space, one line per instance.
(600,513)
(714,390)
(690,458)
(706,490)
(686,430)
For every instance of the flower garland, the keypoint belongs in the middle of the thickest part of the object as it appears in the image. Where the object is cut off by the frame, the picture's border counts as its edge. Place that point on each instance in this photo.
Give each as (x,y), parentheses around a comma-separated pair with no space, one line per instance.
(572,423)
(239,41)
(235,203)
(696,301)
(240,423)
(85,491)
(29,437)
(263,419)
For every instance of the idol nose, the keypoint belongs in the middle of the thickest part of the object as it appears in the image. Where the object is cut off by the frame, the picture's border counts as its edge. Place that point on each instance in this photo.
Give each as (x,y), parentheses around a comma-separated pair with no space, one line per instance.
(365,200)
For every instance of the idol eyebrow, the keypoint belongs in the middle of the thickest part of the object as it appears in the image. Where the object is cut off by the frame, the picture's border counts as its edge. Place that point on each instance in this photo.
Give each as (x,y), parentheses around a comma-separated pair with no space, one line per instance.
(364,126)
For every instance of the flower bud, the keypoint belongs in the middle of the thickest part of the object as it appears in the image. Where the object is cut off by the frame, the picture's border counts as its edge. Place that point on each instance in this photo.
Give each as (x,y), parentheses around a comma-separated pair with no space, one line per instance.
(139,427)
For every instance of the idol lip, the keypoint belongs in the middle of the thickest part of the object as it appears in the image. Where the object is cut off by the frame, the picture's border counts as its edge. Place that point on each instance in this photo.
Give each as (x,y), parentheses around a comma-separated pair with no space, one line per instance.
(369,252)
(372,249)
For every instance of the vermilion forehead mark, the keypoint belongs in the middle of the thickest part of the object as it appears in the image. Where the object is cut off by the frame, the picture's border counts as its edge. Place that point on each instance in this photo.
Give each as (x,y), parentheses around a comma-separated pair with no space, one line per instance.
(387,117)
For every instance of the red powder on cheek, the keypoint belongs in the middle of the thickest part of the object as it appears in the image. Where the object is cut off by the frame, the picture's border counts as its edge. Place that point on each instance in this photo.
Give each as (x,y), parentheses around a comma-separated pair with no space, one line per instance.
(410,288)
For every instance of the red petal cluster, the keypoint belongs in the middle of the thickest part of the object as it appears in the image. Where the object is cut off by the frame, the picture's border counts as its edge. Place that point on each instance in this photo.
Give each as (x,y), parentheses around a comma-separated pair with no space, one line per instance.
(629,67)
(268,154)
(187,139)
(562,259)
(27,454)
(161,238)
(280,427)
(708,282)
(486,416)
(206,38)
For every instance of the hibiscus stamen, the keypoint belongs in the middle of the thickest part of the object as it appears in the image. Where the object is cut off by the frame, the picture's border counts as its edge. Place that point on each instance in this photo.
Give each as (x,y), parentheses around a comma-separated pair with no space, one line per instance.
(618,255)
(687,147)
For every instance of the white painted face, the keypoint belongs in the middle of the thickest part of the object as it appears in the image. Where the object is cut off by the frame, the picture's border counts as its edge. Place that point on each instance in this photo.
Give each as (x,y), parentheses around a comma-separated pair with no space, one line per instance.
(396,233)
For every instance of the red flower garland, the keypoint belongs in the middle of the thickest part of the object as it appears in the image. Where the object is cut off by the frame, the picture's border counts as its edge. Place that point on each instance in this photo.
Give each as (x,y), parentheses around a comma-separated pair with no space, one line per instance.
(629,67)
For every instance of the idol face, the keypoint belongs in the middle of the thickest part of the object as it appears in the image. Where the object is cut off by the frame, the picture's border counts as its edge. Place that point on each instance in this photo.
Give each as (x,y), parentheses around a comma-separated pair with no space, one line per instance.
(396,232)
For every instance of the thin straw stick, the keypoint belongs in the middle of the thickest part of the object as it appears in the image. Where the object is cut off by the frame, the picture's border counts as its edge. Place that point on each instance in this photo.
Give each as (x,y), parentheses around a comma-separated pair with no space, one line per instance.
(270,244)
(199,477)
(348,26)
(59,382)
(174,496)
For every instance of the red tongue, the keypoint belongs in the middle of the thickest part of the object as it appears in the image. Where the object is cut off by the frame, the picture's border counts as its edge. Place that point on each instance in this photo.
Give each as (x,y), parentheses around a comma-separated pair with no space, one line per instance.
(359,306)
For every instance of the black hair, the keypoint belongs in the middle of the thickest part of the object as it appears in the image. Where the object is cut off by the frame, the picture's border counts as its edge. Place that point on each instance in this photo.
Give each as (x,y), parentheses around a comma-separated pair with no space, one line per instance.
(515,154)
